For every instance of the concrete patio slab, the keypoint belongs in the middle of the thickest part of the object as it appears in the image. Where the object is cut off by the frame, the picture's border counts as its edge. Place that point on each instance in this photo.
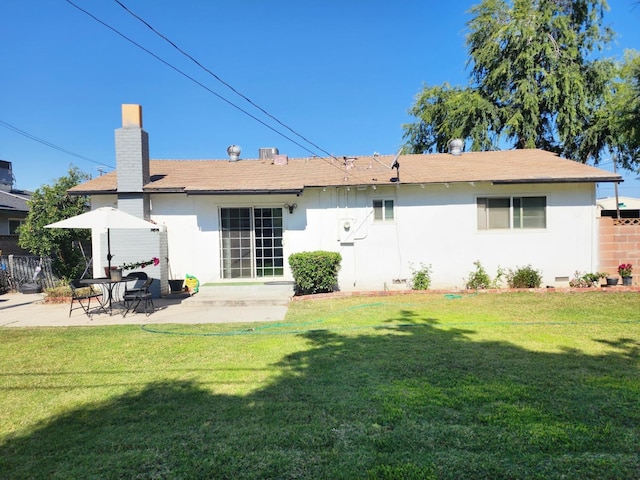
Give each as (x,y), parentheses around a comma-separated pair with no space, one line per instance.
(30,310)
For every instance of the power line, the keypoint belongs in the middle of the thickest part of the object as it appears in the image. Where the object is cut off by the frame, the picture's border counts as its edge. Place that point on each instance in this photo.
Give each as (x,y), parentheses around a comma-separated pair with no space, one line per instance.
(49,144)
(230,87)
(226,84)
(229,102)
(176,69)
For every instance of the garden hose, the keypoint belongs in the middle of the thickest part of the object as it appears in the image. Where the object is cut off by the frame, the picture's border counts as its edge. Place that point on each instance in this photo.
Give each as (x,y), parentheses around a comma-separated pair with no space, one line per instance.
(297,328)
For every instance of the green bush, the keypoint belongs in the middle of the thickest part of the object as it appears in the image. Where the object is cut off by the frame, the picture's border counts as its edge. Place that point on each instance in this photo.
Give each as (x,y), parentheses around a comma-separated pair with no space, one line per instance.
(315,272)
(420,277)
(480,279)
(586,280)
(524,277)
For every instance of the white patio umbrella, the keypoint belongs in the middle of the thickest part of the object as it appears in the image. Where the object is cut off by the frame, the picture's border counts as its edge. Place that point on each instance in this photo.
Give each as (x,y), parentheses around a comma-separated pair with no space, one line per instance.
(105,218)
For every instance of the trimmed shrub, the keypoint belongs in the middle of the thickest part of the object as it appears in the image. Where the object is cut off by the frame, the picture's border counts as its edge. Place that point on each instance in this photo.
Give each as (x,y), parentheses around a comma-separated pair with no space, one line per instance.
(315,272)
(524,277)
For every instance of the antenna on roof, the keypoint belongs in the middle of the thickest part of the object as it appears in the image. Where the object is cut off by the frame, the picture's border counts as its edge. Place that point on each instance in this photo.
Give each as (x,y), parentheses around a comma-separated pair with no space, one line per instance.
(395,159)
(396,165)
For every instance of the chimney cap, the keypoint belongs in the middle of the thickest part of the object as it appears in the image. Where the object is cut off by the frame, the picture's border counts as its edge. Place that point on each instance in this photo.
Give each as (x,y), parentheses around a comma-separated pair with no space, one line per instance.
(131,115)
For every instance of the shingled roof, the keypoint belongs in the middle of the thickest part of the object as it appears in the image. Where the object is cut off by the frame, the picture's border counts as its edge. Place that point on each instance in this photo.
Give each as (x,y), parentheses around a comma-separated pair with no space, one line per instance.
(296,174)
(14,201)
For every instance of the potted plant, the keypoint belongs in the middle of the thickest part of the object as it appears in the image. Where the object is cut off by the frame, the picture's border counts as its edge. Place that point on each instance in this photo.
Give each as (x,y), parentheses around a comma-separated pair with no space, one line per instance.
(587,280)
(624,270)
(176,285)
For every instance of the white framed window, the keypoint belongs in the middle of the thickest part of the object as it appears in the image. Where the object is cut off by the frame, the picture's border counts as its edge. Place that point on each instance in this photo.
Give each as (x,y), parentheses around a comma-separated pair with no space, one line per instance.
(14,223)
(383,210)
(511,212)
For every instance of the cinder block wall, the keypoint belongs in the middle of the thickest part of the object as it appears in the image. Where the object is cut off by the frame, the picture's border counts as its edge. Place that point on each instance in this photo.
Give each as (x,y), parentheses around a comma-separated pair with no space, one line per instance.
(619,241)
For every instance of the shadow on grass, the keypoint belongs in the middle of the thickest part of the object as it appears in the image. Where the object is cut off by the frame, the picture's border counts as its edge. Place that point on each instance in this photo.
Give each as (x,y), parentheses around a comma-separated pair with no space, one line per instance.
(405,402)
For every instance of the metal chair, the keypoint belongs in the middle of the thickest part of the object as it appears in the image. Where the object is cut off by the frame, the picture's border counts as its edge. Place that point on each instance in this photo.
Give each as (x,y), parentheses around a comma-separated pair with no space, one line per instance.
(141,277)
(81,293)
(133,298)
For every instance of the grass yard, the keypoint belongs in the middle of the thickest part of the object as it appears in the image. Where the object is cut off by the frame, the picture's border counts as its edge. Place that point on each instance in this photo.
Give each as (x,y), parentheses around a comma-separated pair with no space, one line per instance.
(514,385)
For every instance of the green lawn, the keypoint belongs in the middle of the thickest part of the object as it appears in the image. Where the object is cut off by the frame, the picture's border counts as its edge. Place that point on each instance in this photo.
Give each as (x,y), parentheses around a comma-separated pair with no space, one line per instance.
(514,385)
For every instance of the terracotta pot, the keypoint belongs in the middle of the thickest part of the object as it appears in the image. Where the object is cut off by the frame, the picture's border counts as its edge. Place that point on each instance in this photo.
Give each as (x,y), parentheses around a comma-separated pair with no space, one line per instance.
(116,274)
(107,272)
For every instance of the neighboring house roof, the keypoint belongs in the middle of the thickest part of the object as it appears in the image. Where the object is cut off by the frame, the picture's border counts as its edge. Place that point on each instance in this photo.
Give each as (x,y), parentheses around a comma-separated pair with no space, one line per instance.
(14,201)
(624,203)
(268,176)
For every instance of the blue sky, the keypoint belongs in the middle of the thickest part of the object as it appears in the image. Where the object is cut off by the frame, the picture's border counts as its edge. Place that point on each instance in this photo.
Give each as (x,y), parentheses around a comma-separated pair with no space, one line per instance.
(342,73)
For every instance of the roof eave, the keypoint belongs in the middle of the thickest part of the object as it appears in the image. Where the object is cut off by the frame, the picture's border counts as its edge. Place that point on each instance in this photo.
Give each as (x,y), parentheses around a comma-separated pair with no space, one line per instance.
(557,180)
(79,193)
(295,191)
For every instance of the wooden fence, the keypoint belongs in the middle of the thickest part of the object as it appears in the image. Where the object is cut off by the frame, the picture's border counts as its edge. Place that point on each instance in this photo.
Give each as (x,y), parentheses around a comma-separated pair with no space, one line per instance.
(17,270)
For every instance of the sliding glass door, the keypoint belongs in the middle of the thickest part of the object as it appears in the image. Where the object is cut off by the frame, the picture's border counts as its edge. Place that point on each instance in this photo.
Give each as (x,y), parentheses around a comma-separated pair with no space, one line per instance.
(251,242)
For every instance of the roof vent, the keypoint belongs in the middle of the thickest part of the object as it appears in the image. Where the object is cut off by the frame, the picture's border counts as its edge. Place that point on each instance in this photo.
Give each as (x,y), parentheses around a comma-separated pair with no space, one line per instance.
(455,146)
(267,152)
(234,152)
(280,159)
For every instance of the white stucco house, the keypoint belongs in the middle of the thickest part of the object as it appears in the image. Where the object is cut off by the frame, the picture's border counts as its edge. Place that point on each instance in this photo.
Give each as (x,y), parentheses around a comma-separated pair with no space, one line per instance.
(239,219)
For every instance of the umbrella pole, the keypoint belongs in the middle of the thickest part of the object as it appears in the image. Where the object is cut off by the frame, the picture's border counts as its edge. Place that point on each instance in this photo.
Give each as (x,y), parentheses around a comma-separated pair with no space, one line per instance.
(109,256)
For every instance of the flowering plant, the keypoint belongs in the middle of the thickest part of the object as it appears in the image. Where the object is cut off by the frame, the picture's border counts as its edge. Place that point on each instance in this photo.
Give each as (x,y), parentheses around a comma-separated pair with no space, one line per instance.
(624,269)
(130,266)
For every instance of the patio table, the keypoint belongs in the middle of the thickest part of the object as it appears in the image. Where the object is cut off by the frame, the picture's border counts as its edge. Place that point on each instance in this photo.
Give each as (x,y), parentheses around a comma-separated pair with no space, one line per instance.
(110,289)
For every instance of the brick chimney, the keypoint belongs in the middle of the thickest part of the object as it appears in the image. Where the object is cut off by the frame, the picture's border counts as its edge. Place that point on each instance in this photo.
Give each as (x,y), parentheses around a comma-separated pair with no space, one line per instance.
(132,162)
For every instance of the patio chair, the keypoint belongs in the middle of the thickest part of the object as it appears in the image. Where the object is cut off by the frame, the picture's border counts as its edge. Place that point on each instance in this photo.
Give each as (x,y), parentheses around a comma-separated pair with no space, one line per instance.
(80,294)
(133,298)
(141,277)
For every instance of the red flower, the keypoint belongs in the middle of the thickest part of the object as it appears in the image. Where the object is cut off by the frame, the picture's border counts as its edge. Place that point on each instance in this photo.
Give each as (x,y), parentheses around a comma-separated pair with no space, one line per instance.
(130,266)
(625,269)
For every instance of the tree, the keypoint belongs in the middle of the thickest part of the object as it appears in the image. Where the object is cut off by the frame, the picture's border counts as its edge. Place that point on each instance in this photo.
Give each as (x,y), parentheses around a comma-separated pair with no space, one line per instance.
(624,111)
(534,82)
(48,204)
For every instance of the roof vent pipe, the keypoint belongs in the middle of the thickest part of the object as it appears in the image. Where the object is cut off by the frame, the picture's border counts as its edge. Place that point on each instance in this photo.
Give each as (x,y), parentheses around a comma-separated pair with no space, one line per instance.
(455,146)
(234,152)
